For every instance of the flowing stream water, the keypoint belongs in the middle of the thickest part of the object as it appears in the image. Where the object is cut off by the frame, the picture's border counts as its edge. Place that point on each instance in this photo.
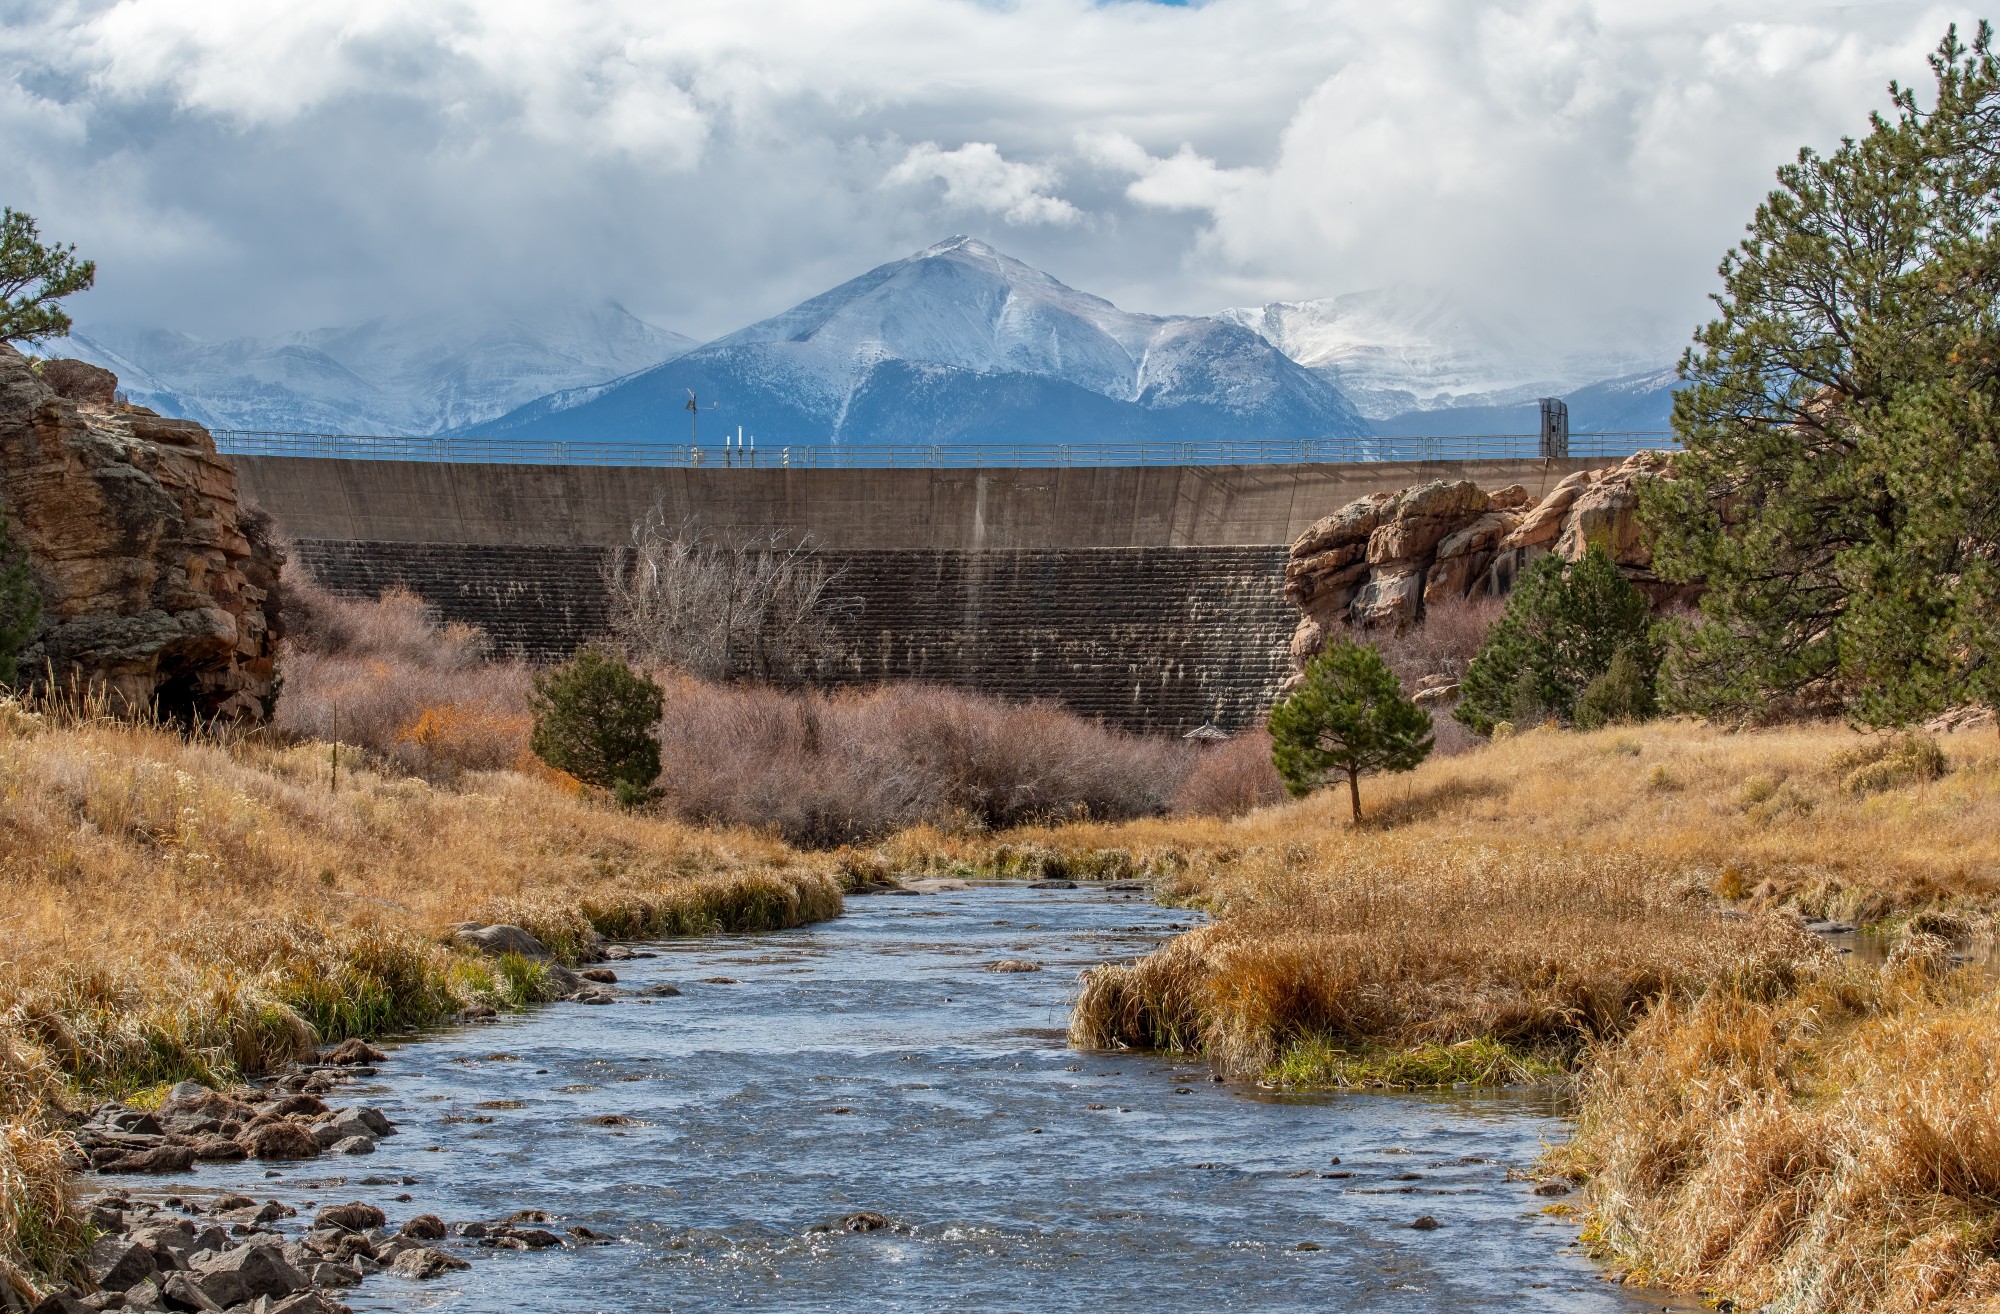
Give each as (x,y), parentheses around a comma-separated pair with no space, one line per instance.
(872,1063)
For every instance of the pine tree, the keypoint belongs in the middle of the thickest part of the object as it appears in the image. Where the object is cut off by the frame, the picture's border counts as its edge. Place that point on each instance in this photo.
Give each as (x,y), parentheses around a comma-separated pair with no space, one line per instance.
(594,718)
(33,277)
(1564,628)
(1839,495)
(1348,716)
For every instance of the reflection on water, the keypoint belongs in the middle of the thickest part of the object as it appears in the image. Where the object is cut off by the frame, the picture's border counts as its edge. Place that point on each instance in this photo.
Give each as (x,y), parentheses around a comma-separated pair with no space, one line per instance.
(874,1064)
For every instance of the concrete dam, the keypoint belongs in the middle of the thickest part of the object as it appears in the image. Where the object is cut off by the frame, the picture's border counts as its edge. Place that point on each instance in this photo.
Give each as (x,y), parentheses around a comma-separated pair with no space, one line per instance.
(1148,596)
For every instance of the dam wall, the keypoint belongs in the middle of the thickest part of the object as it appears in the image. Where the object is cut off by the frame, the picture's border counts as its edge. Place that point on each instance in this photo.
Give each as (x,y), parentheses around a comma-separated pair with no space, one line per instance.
(1151,597)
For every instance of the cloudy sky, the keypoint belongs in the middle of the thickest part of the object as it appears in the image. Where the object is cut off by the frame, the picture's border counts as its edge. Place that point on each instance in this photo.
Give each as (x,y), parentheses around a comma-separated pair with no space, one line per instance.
(251,166)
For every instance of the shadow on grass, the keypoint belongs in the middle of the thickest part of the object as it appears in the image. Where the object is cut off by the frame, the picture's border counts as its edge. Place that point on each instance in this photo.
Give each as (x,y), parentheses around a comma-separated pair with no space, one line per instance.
(1423,803)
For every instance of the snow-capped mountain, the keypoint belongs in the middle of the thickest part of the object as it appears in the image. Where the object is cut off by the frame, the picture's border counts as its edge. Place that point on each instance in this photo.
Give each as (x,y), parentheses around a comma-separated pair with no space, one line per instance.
(1406,349)
(413,374)
(962,344)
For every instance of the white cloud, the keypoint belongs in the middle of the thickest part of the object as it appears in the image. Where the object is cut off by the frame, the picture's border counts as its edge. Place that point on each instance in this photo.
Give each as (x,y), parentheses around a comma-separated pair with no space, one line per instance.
(977,177)
(1586,161)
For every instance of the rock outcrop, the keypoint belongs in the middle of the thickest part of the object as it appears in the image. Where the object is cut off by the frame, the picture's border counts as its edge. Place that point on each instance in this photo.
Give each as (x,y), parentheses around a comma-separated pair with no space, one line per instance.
(1382,560)
(157,584)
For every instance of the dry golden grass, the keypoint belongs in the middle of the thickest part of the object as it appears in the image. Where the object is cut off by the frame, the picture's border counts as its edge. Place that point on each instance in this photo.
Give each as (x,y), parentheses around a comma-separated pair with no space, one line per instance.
(1774,817)
(173,908)
(1835,1150)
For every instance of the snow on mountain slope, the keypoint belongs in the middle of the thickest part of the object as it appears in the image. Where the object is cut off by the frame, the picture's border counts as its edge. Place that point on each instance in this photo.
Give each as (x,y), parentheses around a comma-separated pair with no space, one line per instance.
(1404,348)
(961,343)
(401,375)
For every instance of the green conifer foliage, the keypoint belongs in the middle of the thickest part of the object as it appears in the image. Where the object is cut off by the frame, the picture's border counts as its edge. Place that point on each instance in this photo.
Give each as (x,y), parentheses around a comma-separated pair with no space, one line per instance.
(1346,718)
(1839,495)
(1563,629)
(594,718)
(33,277)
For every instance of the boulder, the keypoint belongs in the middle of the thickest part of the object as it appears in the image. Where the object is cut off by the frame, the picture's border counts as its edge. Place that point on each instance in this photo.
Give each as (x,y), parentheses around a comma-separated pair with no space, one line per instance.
(355,1216)
(246,1272)
(422,1263)
(281,1139)
(1423,516)
(115,1263)
(159,1159)
(156,582)
(423,1227)
(500,939)
(353,1053)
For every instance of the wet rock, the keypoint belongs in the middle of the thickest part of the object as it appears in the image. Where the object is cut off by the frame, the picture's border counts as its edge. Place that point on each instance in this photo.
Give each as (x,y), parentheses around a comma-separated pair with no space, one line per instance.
(353,1053)
(1553,1188)
(355,1216)
(1013,965)
(660,991)
(423,1263)
(219,1149)
(594,994)
(160,1159)
(334,1275)
(720,980)
(866,1220)
(280,1140)
(423,1227)
(311,1105)
(353,1145)
(535,1238)
(1425,1223)
(601,974)
(585,1236)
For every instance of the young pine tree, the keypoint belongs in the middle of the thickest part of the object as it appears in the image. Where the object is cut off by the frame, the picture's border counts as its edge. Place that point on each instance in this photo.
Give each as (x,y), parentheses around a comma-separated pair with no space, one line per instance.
(1564,629)
(594,718)
(1348,716)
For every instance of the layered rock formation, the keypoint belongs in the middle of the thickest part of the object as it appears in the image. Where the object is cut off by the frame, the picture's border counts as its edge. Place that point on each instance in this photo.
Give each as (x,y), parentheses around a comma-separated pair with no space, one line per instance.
(1382,560)
(157,585)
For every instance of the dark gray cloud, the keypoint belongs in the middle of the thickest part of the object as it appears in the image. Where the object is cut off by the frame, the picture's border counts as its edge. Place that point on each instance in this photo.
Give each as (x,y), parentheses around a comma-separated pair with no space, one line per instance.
(240,166)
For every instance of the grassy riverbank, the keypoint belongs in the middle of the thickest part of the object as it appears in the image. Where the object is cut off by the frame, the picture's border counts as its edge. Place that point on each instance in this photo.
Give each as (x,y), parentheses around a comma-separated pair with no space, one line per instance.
(179,908)
(1760,1117)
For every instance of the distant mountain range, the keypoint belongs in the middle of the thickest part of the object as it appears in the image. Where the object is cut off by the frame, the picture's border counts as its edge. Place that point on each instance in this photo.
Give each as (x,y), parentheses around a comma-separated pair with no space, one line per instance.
(1416,361)
(415,374)
(958,344)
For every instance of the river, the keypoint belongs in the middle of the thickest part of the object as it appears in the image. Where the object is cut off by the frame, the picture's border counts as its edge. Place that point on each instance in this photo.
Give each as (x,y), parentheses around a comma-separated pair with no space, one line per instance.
(872,1063)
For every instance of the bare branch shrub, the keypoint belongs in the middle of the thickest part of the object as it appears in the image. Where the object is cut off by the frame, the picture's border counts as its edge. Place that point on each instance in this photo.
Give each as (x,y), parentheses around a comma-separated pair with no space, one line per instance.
(759,608)
(1443,645)
(1231,778)
(388,676)
(824,769)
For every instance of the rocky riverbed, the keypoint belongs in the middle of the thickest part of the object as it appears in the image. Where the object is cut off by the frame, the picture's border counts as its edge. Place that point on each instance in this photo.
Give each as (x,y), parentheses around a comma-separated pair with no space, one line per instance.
(878,1113)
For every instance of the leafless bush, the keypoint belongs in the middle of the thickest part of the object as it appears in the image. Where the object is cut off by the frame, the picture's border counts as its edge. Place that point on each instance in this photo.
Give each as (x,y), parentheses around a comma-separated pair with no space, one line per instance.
(1232,778)
(824,769)
(762,608)
(387,675)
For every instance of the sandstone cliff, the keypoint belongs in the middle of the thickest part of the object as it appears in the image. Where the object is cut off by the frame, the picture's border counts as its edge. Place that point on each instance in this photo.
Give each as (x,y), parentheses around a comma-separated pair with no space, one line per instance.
(1381,560)
(157,586)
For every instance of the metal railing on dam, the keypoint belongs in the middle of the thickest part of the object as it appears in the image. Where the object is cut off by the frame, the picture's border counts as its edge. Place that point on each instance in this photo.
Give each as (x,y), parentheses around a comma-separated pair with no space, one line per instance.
(932,456)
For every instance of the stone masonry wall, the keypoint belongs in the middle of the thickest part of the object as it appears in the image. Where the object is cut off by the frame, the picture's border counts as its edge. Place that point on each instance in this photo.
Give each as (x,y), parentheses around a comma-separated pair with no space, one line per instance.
(1151,639)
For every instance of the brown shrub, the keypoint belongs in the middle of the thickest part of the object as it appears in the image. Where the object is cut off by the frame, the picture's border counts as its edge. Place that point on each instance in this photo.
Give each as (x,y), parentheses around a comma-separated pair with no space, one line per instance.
(827,769)
(1230,779)
(388,676)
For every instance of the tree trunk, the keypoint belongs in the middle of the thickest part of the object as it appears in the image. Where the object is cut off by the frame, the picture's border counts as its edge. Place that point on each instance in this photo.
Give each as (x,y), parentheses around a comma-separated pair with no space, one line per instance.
(1354,792)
